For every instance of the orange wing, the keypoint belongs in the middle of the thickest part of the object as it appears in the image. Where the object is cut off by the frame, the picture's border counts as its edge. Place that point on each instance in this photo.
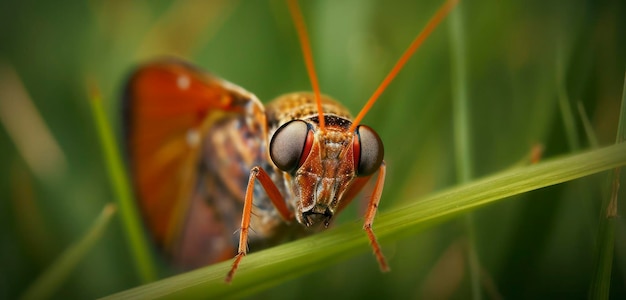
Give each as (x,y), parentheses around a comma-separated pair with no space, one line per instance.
(169,106)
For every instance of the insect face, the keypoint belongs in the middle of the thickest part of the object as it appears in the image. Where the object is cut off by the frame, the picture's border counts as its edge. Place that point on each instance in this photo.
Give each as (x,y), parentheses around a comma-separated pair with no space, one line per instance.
(321,165)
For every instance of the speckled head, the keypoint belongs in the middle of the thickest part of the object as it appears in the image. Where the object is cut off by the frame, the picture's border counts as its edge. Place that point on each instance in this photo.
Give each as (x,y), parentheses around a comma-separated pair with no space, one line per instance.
(322,164)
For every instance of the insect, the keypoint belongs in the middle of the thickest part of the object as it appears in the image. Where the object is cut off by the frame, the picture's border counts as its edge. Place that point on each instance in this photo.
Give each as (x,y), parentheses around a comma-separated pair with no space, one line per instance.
(208,159)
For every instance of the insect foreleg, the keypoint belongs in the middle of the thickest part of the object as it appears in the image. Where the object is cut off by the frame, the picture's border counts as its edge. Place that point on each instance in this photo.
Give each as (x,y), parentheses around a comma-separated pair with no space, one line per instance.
(276,198)
(372,207)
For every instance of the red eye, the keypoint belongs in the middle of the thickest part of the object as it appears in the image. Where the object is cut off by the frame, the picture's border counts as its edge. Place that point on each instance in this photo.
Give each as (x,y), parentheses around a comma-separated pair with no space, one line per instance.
(368,151)
(291,145)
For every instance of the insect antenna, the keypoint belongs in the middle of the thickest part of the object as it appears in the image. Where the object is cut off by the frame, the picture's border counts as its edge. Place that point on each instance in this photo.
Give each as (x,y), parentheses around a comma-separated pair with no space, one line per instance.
(298,20)
(430,26)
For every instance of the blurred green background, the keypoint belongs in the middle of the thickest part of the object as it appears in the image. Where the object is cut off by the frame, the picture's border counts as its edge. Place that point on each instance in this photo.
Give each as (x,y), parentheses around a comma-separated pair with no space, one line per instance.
(532,67)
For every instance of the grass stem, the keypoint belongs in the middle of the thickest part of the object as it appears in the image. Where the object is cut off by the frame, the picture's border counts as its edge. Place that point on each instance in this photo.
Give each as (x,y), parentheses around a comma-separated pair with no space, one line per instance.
(605,245)
(267,268)
(130,217)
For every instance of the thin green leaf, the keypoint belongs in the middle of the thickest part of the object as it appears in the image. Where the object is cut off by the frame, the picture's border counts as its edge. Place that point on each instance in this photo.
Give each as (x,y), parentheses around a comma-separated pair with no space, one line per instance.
(591,135)
(54,276)
(270,267)
(462,136)
(131,222)
(601,280)
(565,107)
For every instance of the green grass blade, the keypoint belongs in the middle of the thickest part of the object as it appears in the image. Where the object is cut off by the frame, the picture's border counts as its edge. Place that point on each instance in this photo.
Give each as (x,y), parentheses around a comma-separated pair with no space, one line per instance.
(621,127)
(605,246)
(603,264)
(270,267)
(54,276)
(591,135)
(462,136)
(460,98)
(131,222)
(569,122)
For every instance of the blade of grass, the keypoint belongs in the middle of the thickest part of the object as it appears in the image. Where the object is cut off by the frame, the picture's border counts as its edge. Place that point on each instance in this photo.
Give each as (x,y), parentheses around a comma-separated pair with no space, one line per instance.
(462,135)
(132,225)
(270,267)
(460,98)
(605,245)
(54,276)
(565,107)
(591,135)
(28,130)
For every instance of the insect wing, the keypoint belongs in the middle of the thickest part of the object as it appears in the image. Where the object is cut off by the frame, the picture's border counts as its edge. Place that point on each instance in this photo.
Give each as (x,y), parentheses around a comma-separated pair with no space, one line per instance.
(169,109)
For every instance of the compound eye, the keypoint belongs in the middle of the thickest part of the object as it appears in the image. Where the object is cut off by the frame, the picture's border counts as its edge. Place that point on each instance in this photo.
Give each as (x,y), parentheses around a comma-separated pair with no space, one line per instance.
(368,150)
(291,145)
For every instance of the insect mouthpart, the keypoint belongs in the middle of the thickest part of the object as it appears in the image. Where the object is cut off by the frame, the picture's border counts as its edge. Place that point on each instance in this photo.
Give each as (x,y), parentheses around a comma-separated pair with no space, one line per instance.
(315,216)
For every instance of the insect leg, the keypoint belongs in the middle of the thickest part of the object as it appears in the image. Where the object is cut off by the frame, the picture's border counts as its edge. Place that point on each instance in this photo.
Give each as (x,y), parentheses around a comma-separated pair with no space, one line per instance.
(276,198)
(372,207)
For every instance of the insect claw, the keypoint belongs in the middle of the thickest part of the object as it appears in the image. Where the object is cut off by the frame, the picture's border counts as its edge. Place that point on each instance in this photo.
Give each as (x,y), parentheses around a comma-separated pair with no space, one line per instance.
(382,262)
(231,273)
